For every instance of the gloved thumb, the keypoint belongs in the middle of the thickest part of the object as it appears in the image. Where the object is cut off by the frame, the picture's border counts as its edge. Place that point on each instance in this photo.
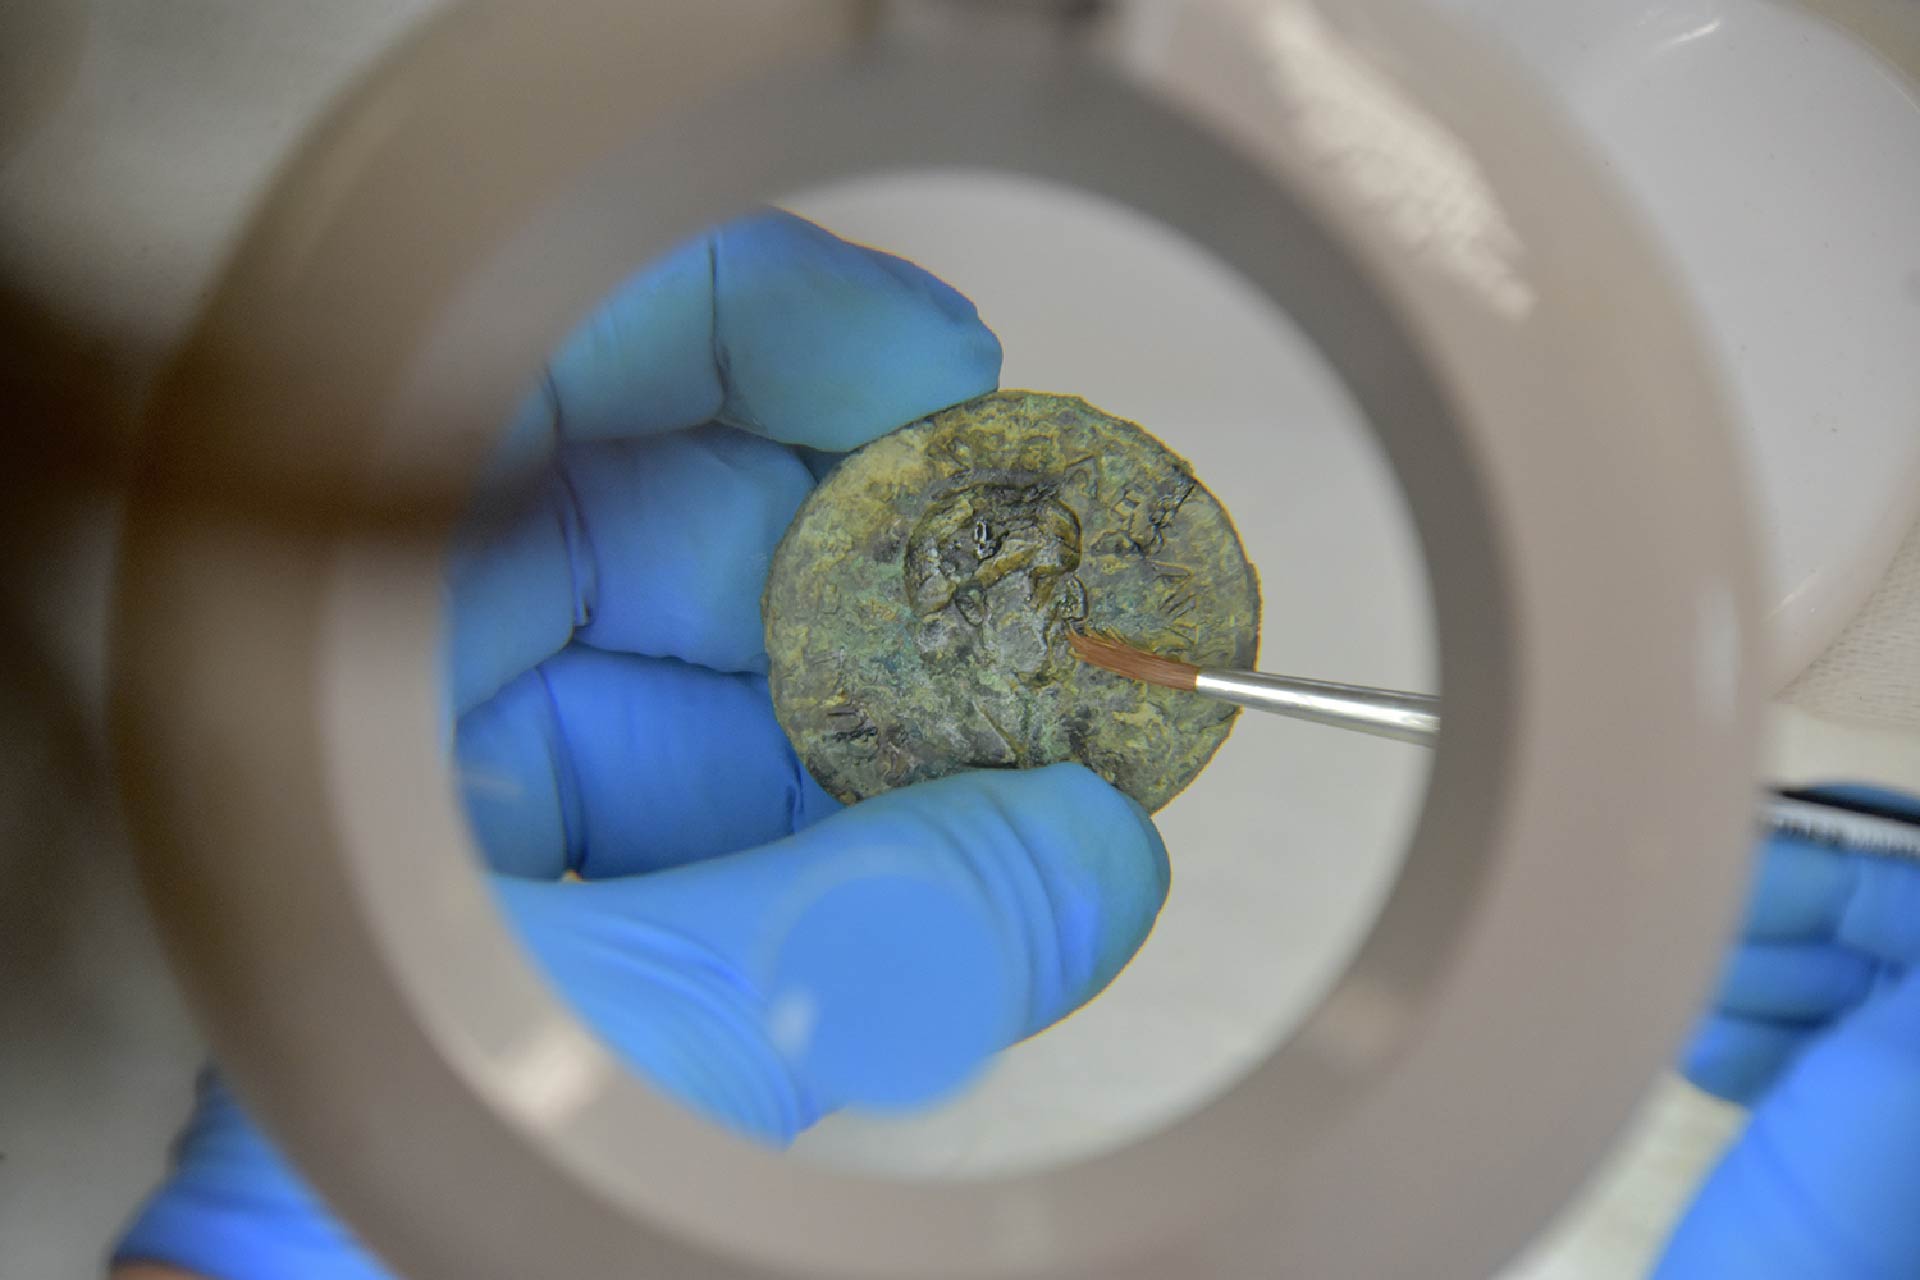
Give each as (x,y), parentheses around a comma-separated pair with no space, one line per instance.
(1826,1179)
(876,959)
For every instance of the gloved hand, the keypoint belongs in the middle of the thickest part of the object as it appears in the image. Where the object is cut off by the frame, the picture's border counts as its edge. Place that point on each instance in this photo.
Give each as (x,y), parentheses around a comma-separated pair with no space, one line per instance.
(744,943)
(1817,1028)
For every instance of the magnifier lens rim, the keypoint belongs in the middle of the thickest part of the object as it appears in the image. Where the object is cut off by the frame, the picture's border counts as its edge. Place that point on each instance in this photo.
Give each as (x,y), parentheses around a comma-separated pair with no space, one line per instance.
(487,1067)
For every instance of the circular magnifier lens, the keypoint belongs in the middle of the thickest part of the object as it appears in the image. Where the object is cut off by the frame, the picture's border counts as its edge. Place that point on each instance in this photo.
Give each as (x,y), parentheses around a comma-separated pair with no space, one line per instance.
(885,429)
(1247,1036)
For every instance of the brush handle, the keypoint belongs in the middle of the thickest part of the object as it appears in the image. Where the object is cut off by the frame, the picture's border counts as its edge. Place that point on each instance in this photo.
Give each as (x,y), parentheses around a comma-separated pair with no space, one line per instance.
(1850,825)
(1404,717)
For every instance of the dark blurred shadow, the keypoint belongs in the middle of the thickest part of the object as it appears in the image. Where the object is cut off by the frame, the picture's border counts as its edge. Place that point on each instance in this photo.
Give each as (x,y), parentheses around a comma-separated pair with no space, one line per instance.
(63,449)
(98,1050)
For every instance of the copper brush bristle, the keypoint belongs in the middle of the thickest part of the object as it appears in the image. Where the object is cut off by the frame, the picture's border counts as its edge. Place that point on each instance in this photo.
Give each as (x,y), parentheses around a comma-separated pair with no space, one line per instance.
(1383,713)
(1134,664)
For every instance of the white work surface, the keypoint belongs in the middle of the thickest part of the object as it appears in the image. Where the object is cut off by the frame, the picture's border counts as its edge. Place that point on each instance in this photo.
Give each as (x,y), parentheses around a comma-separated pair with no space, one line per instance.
(113,210)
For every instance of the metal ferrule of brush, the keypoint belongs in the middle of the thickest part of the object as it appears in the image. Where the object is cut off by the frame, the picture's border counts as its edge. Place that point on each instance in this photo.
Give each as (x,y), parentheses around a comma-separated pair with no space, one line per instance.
(1404,717)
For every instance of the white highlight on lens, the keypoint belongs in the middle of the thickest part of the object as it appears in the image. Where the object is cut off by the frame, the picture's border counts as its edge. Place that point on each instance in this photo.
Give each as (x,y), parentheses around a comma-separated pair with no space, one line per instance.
(554,1071)
(792,1017)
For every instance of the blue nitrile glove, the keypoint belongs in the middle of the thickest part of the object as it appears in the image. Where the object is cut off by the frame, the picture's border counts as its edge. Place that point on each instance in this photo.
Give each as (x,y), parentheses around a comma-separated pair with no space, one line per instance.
(1817,1027)
(746,944)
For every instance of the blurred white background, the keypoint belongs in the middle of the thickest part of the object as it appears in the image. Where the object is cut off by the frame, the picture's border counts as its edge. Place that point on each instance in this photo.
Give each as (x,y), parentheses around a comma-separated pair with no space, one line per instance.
(133,138)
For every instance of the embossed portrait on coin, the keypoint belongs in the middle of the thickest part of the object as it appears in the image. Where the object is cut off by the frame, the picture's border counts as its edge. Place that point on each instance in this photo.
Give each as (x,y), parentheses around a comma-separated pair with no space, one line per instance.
(990,569)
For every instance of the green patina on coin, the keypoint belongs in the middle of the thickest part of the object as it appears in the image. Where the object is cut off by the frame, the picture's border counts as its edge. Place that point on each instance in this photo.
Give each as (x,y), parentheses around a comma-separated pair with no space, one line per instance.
(918,609)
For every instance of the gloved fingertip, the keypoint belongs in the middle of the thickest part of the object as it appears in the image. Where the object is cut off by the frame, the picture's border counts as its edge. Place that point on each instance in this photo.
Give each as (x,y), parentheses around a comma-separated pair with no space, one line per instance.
(1888,1025)
(829,344)
(1799,891)
(643,363)
(889,992)
(1093,854)
(1881,917)
(1797,982)
(1135,873)
(510,597)
(233,1206)
(1104,849)
(953,918)
(526,448)
(1738,1059)
(1824,1180)
(1149,835)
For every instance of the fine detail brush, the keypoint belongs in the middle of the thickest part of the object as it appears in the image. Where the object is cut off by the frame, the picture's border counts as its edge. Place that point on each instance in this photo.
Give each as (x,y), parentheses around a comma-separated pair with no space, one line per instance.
(1848,824)
(1406,717)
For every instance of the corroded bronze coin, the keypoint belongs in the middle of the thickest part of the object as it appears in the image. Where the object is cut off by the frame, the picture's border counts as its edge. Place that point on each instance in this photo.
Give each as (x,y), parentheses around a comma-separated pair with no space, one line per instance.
(918,609)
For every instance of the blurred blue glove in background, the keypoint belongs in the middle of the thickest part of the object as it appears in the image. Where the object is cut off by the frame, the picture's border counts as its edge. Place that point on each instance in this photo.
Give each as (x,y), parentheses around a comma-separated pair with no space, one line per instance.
(1817,1028)
(751,948)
